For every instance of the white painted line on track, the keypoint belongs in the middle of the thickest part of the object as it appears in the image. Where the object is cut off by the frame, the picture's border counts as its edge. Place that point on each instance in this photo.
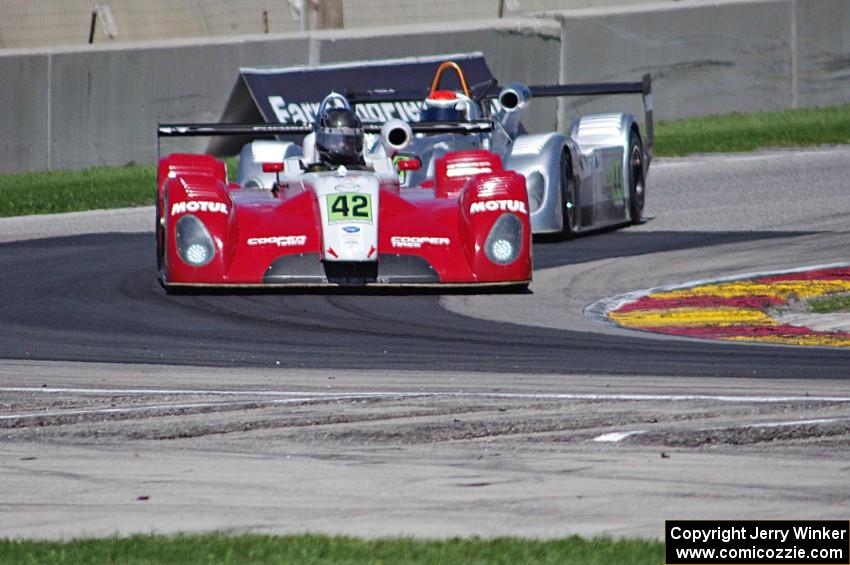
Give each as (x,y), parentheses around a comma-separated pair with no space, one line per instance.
(426,394)
(614,437)
(181,392)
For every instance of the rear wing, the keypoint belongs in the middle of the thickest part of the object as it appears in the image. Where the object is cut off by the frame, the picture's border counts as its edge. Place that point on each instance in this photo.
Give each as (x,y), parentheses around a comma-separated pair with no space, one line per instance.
(247,132)
(644,88)
(269,131)
(258,130)
(201,130)
(490,89)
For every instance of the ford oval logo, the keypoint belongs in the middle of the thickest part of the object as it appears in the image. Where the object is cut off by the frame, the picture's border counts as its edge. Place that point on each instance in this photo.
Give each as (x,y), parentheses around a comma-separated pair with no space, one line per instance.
(347,186)
(351,229)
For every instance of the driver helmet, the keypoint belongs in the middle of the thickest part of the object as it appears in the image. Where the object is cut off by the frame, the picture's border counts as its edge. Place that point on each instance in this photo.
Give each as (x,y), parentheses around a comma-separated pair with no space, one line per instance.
(442,106)
(339,137)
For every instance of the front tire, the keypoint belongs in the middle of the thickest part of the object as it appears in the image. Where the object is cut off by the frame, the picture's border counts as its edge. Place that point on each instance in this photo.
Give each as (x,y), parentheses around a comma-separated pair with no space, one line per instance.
(569,205)
(637,186)
(161,244)
(160,236)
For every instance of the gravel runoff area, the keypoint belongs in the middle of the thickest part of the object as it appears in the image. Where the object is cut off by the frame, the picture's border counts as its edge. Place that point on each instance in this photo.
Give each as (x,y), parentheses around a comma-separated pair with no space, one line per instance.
(99,449)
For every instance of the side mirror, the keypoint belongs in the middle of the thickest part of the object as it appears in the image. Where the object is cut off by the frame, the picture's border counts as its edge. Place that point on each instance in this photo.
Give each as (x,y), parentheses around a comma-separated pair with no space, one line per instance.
(272,167)
(275,168)
(409,164)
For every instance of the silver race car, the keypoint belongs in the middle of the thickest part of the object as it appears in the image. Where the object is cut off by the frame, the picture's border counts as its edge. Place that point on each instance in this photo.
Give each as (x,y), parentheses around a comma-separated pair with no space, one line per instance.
(593,178)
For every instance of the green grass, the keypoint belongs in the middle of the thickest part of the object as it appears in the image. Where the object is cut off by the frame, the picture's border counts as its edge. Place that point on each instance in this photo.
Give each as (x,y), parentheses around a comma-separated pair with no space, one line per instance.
(71,191)
(307,549)
(96,188)
(830,303)
(747,132)
(115,187)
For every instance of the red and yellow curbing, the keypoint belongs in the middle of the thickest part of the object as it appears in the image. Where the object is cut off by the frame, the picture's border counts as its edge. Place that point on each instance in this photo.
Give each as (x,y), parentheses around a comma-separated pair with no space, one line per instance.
(737,310)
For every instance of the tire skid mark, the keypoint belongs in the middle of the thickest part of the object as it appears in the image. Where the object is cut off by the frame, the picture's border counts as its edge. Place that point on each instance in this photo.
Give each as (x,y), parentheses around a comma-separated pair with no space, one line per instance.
(175,408)
(378,417)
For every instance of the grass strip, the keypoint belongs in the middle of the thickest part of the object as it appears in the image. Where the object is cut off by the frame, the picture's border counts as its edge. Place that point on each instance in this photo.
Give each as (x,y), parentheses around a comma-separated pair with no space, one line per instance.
(830,303)
(118,187)
(747,132)
(72,191)
(96,188)
(309,549)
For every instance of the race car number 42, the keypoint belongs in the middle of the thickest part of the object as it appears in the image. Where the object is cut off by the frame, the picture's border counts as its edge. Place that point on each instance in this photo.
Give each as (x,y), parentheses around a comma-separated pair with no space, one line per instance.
(349,207)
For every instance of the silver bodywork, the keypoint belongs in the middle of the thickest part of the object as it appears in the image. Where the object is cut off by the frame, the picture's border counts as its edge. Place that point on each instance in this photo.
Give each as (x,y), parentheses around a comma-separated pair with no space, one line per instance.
(255,153)
(594,157)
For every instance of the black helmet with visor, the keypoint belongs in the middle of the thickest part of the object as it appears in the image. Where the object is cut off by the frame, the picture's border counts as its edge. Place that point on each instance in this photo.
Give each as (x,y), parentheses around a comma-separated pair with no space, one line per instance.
(339,136)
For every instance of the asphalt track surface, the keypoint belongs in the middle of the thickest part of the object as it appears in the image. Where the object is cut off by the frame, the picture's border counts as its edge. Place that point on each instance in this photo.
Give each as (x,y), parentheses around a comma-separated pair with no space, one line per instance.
(124,409)
(87,298)
(94,298)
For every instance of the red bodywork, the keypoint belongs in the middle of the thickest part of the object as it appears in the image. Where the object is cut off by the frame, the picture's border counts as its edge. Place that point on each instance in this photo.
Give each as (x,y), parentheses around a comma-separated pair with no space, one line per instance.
(469,193)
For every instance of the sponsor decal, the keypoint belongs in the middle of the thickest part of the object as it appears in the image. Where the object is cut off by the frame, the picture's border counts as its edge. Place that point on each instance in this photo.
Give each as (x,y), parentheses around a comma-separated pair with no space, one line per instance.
(279,240)
(351,229)
(347,185)
(467,169)
(292,95)
(615,180)
(349,207)
(198,206)
(498,206)
(492,188)
(414,242)
(304,113)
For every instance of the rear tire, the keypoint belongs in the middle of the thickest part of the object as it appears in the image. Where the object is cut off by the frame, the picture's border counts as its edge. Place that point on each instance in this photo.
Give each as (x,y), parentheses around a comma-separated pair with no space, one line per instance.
(569,206)
(637,186)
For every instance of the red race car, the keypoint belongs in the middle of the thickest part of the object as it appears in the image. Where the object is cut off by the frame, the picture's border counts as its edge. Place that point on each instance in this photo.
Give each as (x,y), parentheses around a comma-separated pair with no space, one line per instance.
(322,214)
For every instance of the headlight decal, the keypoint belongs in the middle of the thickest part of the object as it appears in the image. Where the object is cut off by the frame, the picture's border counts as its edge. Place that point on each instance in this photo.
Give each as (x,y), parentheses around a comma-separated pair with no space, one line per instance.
(194,244)
(504,242)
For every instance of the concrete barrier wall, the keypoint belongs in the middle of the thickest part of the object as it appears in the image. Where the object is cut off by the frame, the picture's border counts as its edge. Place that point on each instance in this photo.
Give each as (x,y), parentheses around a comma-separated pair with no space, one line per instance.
(714,59)
(69,109)
(24,112)
(52,23)
(111,100)
(822,61)
(704,59)
(99,106)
